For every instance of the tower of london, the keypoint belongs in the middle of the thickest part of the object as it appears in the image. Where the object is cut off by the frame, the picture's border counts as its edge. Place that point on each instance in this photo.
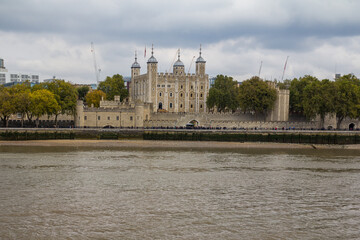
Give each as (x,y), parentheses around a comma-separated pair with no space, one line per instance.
(171,92)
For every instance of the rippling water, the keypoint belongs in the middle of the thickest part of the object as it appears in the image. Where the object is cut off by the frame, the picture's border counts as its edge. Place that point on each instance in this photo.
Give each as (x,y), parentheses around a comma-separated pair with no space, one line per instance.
(52,193)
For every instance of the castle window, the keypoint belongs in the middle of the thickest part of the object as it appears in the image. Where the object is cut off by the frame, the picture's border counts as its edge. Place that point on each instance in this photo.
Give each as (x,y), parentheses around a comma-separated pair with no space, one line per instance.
(201,95)
(131,118)
(181,94)
(200,105)
(85,117)
(162,85)
(192,87)
(202,87)
(190,95)
(160,94)
(109,118)
(98,117)
(181,86)
(170,105)
(191,106)
(171,94)
(169,86)
(180,105)
(158,85)
(117,118)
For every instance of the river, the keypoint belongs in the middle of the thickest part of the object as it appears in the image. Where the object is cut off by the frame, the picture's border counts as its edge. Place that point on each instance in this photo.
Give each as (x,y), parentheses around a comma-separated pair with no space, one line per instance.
(83,193)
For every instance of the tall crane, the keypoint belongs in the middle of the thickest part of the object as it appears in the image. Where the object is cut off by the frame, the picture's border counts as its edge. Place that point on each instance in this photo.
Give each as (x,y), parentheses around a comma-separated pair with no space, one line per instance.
(282,78)
(192,60)
(97,70)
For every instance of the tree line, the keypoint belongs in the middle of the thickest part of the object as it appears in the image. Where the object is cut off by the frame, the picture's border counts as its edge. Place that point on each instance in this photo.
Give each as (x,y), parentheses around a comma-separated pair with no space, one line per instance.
(54,98)
(253,95)
(51,99)
(309,96)
(312,97)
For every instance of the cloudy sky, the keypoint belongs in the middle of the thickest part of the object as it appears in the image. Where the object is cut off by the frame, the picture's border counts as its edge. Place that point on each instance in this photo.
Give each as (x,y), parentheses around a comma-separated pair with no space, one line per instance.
(52,37)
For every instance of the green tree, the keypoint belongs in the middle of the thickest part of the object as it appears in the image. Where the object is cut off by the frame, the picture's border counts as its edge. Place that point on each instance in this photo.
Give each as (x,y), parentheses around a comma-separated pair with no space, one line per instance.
(82,91)
(319,99)
(223,95)
(21,99)
(65,94)
(6,106)
(95,97)
(347,98)
(113,86)
(43,102)
(256,95)
(296,88)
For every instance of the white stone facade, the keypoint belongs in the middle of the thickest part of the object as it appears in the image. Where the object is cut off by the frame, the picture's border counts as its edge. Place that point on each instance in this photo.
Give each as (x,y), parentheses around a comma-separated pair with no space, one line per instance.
(171,92)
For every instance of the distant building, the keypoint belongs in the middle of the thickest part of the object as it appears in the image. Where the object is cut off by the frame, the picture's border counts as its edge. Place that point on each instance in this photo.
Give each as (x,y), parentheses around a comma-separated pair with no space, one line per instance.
(6,77)
(3,72)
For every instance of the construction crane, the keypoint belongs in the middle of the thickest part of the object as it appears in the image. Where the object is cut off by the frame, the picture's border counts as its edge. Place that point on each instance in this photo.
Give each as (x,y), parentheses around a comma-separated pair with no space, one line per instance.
(173,61)
(282,78)
(97,70)
(260,69)
(192,60)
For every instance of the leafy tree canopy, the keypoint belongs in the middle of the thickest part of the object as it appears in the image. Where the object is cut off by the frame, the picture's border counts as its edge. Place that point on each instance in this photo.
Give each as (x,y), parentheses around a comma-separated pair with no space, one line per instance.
(347,98)
(95,97)
(82,91)
(65,94)
(256,95)
(113,86)
(43,102)
(223,95)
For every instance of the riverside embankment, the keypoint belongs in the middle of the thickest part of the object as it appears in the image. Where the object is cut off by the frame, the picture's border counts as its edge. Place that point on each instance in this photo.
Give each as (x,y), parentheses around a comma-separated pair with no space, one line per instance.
(269,136)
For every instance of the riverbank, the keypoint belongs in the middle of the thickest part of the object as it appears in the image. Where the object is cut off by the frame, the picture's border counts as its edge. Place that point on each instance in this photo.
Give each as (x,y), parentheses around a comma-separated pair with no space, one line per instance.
(148,144)
(192,135)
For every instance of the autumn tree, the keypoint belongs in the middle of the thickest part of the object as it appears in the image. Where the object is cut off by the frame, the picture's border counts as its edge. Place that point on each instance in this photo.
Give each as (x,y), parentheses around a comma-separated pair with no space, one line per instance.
(43,102)
(21,99)
(223,95)
(113,86)
(257,96)
(6,106)
(65,94)
(95,97)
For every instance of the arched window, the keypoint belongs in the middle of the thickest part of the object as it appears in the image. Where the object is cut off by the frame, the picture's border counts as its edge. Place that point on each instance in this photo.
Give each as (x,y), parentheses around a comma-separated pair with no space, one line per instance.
(160,105)
(160,94)
(170,105)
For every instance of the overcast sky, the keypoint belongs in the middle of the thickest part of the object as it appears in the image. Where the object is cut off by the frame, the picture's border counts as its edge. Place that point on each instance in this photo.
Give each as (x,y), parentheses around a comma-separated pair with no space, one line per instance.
(52,37)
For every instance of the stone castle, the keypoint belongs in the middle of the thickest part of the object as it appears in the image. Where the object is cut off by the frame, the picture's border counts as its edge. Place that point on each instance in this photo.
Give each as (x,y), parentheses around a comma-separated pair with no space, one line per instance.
(174,100)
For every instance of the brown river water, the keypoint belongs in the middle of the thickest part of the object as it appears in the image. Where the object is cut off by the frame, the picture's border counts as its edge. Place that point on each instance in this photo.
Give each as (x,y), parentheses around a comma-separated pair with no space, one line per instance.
(83,193)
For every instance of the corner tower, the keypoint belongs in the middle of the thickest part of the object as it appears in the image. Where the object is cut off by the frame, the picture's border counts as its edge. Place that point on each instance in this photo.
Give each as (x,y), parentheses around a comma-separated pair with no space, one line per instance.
(152,68)
(200,65)
(135,71)
(178,67)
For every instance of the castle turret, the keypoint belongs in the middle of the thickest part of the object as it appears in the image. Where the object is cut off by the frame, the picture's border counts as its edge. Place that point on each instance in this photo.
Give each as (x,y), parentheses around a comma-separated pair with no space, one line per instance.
(200,64)
(135,71)
(178,67)
(152,68)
